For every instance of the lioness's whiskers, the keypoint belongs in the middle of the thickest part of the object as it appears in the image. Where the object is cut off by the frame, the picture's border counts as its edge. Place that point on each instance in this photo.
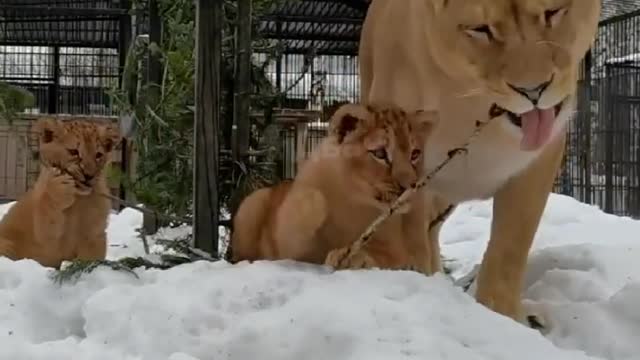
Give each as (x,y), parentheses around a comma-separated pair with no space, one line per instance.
(468,93)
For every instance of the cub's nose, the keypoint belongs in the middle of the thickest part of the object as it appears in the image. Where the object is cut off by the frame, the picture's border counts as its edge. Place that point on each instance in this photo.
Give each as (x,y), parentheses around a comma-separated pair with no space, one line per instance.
(404,185)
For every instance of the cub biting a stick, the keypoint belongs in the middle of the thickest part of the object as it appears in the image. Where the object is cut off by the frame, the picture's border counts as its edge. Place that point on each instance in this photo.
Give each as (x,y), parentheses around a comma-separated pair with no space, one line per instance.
(372,154)
(64,216)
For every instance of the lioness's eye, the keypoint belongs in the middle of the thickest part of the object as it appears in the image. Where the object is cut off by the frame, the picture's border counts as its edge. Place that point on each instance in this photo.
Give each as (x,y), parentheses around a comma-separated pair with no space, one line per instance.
(99,155)
(73,152)
(480,32)
(380,153)
(415,154)
(551,16)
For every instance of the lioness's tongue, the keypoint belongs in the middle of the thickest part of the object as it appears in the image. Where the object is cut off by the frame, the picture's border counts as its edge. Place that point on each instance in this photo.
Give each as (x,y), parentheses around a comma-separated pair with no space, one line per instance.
(536,128)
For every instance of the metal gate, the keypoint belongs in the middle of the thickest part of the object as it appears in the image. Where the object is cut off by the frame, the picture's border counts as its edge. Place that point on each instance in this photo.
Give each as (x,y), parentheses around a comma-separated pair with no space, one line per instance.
(621,145)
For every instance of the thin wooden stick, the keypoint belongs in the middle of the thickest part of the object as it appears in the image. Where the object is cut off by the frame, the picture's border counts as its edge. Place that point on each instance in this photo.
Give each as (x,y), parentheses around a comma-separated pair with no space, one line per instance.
(404,197)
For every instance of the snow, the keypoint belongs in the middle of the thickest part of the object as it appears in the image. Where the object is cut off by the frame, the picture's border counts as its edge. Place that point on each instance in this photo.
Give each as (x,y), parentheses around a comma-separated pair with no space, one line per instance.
(631,58)
(583,279)
(583,274)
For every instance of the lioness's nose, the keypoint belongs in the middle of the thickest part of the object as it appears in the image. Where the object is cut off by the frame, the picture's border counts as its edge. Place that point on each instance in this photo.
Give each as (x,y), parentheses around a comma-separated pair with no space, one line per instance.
(533,93)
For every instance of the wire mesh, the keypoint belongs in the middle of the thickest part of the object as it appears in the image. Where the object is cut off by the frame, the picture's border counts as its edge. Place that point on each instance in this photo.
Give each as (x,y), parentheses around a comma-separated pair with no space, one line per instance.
(602,163)
(314,82)
(291,157)
(65,80)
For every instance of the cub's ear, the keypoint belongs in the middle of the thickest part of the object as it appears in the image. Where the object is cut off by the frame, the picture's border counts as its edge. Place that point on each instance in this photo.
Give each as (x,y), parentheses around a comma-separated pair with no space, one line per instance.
(347,119)
(47,129)
(110,135)
(424,121)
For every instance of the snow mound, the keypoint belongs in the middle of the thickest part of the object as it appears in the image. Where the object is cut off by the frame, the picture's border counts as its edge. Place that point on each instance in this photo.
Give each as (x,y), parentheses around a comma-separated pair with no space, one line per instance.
(583,275)
(278,310)
(583,279)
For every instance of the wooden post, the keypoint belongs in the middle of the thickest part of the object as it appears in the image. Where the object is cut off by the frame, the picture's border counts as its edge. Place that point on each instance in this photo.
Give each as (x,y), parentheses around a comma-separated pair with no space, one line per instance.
(587,125)
(151,97)
(124,44)
(207,113)
(53,88)
(279,61)
(242,96)
(154,70)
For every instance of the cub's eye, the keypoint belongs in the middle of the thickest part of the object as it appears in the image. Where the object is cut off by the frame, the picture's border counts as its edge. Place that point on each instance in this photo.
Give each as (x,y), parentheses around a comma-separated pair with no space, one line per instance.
(99,155)
(73,152)
(552,16)
(380,153)
(415,154)
(482,32)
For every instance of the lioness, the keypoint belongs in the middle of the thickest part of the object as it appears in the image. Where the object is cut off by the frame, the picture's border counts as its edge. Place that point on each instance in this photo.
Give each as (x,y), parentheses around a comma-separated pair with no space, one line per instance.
(372,154)
(459,57)
(64,216)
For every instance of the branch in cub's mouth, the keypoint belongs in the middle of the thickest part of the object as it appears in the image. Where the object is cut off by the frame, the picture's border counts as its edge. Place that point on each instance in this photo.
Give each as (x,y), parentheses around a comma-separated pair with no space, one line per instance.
(65,171)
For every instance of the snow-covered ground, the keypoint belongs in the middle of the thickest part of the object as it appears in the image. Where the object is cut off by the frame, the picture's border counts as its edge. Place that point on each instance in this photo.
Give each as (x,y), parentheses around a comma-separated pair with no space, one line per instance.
(583,276)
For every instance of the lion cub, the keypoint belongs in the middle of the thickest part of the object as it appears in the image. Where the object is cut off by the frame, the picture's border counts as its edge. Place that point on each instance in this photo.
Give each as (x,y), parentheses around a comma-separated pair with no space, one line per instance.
(63,217)
(371,155)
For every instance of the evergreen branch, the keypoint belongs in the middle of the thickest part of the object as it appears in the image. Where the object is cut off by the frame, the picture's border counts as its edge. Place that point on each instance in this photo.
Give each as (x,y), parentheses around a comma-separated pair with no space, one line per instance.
(79,267)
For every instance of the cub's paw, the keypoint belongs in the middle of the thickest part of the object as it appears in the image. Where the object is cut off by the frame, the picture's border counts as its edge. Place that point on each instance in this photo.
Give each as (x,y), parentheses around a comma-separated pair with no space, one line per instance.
(61,188)
(338,260)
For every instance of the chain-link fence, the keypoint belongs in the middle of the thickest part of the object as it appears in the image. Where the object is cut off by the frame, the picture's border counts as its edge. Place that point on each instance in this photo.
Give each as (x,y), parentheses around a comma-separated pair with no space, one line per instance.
(602,163)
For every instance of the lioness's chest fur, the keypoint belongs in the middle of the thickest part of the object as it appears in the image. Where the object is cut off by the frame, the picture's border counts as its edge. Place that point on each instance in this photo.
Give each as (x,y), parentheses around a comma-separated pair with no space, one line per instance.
(492,158)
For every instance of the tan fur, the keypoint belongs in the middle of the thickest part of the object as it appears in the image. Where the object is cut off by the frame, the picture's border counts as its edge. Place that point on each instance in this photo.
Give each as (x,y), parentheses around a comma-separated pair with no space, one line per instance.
(340,189)
(435,54)
(63,217)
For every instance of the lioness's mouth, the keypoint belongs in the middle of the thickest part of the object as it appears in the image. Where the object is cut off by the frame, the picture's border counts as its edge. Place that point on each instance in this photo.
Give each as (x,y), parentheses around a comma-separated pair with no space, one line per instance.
(537,124)
(516,119)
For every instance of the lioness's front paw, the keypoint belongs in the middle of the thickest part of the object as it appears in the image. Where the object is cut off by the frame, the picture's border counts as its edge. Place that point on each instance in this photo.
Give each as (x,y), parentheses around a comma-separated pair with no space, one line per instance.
(338,260)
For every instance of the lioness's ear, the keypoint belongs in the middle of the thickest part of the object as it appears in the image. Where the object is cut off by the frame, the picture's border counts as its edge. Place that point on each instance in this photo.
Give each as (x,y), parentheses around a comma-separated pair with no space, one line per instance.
(47,129)
(347,119)
(110,137)
(425,121)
